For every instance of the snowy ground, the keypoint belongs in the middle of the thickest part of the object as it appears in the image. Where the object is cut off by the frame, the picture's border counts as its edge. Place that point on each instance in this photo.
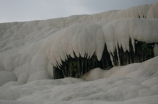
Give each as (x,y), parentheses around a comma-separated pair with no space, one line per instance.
(28,51)
(132,84)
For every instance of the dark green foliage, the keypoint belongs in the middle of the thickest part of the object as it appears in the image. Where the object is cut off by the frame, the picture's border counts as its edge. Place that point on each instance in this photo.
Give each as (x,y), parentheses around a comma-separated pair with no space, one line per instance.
(73,65)
(146,48)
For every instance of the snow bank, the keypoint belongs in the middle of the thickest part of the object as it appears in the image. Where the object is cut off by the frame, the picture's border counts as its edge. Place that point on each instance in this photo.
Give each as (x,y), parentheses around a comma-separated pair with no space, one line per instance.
(134,83)
(136,70)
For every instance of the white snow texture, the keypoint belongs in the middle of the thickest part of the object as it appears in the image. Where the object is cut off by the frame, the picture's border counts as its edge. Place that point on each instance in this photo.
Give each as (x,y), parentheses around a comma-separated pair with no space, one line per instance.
(29,50)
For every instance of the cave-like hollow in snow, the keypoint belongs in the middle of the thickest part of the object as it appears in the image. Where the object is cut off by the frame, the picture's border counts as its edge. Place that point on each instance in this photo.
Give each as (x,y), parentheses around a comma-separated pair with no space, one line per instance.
(77,66)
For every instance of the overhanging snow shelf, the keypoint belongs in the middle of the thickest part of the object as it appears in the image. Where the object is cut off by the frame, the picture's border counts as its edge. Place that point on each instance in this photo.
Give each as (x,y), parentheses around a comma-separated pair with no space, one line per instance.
(77,66)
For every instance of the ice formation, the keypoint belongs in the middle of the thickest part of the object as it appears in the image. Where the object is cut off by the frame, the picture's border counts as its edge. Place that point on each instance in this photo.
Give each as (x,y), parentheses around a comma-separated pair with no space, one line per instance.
(30,50)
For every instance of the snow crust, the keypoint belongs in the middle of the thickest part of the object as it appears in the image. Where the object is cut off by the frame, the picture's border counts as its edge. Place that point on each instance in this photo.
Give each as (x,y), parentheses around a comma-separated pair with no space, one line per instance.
(29,50)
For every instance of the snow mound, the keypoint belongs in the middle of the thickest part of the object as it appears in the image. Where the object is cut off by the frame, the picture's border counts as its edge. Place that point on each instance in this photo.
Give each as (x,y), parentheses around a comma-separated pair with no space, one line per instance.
(146,69)
(134,83)
(119,86)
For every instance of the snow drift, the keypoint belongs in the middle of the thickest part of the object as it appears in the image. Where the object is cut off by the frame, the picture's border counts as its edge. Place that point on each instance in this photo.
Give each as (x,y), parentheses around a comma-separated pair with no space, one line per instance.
(29,51)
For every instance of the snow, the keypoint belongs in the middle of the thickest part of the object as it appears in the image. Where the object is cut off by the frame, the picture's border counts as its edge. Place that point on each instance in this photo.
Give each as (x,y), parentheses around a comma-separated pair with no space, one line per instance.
(118,86)
(89,38)
(29,50)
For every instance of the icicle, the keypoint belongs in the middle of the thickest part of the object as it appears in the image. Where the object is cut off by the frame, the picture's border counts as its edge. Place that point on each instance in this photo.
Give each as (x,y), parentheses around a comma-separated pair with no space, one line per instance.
(128,46)
(82,54)
(86,55)
(63,56)
(111,59)
(57,65)
(100,44)
(66,57)
(118,55)
(133,44)
(54,62)
(72,54)
(60,62)
(77,54)
(119,43)
(125,44)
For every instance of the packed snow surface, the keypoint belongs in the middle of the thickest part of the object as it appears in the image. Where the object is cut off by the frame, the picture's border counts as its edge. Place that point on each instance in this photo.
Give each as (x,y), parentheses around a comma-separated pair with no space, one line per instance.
(29,50)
